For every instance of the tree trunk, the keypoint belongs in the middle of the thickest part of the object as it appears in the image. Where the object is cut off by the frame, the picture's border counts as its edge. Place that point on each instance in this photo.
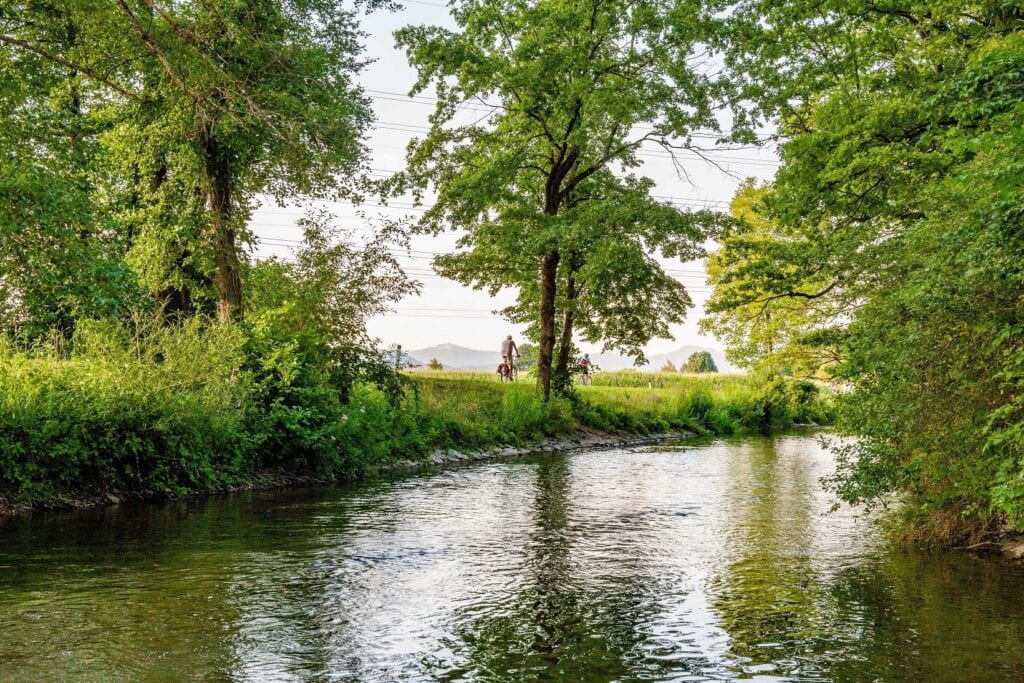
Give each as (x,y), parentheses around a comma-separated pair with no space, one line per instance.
(545,351)
(562,374)
(175,300)
(227,280)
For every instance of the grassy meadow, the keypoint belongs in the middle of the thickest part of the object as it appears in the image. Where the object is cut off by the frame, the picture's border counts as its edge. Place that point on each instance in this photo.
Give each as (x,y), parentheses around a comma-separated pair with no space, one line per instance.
(622,401)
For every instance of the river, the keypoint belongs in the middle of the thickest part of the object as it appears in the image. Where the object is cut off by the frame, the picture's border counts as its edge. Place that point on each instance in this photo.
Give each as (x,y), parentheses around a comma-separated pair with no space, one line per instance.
(676,562)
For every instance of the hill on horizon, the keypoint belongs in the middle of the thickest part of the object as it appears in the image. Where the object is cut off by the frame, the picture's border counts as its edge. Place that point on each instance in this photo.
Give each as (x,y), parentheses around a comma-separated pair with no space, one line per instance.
(455,357)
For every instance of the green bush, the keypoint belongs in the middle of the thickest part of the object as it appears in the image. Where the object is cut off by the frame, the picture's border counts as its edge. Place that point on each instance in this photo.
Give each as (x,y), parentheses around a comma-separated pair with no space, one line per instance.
(159,409)
(163,414)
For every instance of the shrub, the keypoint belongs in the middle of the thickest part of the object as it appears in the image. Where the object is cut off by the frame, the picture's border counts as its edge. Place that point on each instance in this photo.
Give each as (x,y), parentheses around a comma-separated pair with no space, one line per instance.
(171,409)
(161,412)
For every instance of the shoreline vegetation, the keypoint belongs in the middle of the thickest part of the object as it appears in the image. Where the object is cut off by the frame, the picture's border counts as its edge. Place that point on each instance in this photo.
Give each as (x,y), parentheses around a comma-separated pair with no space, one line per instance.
(884,254)
(190,414)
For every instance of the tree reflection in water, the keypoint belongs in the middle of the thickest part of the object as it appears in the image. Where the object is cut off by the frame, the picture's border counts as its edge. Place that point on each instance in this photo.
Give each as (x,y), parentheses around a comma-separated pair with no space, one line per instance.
(687,562)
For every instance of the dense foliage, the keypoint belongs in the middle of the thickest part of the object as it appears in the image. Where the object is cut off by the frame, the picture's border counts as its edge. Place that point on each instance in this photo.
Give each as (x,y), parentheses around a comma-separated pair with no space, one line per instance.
(700,361)
(138,135)
(181,409)
(890,245)
(171,410)
(543,186)
(137,138)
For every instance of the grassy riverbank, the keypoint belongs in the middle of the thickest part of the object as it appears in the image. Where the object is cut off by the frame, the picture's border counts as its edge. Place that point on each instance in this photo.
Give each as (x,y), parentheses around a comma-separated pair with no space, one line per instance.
(190,414)
(473,408)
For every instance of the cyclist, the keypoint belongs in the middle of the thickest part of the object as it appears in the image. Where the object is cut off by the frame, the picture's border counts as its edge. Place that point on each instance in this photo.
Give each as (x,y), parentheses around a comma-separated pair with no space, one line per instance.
(508,350)
(586,365)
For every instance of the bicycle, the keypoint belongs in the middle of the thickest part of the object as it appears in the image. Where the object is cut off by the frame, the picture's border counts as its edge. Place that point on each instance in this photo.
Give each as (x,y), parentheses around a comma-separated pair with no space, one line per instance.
(586,373)
(507,372)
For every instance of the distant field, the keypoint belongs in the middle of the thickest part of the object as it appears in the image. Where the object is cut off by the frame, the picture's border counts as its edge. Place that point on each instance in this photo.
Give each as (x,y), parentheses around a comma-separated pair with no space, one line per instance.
(626,400)
(614,378)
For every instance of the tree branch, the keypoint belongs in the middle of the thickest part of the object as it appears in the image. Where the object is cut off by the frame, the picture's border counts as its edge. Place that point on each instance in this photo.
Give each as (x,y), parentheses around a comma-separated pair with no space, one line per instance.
(88,71)
(795,295)
(151,45)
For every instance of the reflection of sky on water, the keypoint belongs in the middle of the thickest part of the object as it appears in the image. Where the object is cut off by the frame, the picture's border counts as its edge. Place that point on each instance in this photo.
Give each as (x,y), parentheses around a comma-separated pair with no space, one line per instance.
(693,562)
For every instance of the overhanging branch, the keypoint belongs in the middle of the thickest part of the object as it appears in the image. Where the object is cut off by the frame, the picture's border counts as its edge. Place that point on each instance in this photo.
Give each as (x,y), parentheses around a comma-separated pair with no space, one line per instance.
(88,71)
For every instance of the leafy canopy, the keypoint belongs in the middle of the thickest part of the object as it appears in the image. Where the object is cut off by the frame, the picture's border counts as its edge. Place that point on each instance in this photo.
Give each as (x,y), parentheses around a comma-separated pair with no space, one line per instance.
(761,323)
(161,123)
(898,211)
(542,180)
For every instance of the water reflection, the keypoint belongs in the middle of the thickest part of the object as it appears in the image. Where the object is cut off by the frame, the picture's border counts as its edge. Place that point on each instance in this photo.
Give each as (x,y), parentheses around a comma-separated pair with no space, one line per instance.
(810,595)
(768,595)
(686,563)
(577,613)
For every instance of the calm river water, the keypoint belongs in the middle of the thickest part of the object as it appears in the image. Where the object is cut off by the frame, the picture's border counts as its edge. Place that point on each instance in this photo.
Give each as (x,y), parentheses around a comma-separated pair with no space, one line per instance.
(683,562)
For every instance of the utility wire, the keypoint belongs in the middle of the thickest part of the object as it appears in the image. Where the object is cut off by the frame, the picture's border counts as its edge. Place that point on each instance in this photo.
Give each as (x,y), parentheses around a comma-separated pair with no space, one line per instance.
(394,96)
(648,154)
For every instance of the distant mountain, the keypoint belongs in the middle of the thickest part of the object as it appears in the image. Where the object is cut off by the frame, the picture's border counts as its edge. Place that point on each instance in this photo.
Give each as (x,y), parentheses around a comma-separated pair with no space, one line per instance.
(455,357)
(405,360)
(613,361)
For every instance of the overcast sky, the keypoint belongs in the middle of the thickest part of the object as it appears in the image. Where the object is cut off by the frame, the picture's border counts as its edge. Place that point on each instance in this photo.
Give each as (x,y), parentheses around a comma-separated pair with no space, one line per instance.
(446,311)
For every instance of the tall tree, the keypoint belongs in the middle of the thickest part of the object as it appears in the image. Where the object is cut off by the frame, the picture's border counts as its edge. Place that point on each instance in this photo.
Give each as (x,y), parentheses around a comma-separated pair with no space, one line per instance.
(263,92)
(899,205)
(541,184)
(210,104)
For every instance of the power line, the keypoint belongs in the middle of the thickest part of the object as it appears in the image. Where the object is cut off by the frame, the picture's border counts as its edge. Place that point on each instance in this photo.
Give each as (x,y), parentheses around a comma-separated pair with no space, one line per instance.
(650,154)
(394,96)
(399,251)
(295,244)
(682,203)
(431,275)
(676,199)
(419,128)
(462,317)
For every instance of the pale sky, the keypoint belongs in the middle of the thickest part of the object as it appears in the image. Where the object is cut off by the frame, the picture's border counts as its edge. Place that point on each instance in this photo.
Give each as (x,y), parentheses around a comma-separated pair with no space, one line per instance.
(446,311)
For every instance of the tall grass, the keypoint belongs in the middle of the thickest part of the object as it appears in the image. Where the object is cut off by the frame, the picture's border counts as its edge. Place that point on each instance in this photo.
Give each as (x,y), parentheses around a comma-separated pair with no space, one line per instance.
(477,410)
(622,401)
(166,415)
(172,410)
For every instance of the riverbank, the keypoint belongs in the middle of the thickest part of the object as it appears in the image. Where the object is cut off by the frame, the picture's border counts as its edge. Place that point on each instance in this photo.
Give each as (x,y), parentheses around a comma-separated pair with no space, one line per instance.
(592,552)
(584,439)
(581,440)
(93,430)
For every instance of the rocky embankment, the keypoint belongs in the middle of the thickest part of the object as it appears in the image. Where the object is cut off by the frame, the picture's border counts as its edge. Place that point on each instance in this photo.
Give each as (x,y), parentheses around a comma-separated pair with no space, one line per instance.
(584,439)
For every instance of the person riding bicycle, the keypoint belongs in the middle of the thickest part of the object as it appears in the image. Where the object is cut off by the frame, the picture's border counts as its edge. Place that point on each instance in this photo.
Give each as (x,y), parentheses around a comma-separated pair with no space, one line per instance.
(508,350)
(586,365)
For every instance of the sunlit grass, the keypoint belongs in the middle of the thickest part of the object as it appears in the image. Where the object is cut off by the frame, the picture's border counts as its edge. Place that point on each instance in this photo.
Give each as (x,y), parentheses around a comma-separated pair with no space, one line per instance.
(622,401)
(177,415)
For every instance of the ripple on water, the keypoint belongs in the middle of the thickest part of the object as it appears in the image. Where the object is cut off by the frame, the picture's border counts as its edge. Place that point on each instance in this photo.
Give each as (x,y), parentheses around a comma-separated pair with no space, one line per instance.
(703,562)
